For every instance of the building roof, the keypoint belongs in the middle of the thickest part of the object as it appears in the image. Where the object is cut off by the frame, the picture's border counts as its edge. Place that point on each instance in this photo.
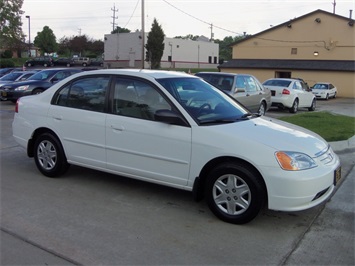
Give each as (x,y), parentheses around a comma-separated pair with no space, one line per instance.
(293,20)
(321,65)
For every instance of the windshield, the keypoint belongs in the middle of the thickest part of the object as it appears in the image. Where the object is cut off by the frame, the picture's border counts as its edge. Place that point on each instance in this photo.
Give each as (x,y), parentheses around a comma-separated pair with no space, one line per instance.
(42,75)
(11,76)
(205,103)
(320,86)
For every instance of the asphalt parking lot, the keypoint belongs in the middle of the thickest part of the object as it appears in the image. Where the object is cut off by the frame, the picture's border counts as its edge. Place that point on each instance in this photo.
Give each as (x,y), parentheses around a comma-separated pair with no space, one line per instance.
(93,218)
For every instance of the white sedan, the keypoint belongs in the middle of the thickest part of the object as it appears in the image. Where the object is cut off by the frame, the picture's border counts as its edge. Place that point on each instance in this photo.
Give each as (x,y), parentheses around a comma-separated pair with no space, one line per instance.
(324,90)
(177,130)
(290,94)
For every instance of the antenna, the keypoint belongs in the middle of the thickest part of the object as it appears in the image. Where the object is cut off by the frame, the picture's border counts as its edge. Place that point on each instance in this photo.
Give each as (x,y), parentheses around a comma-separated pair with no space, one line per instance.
(114,17)
(334,4)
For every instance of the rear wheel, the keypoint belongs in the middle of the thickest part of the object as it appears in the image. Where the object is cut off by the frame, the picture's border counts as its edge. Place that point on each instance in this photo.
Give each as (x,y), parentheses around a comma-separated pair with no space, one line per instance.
(294,107)
(313,106)
(262,109)
(235,193)
(327,97)
(29,64)
(335,95)
(49,155)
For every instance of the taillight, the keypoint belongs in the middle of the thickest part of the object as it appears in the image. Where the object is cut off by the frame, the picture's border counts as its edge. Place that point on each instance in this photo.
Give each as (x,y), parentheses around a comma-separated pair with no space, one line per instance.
(16,106)
(285,91)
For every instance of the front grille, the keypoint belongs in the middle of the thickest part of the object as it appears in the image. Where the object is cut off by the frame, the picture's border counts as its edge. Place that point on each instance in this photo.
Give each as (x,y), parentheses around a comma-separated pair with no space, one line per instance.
(320,194)
(326,157)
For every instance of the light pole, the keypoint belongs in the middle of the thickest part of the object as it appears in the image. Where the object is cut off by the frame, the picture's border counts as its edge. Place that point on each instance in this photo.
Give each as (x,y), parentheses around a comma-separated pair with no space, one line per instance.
(29,36)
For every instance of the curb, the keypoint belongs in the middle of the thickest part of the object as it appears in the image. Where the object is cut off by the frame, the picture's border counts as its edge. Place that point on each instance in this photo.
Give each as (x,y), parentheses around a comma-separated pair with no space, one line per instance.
(338,146)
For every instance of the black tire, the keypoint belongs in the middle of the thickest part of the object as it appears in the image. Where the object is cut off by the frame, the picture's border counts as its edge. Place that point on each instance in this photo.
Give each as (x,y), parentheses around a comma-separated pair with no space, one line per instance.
(37,91)
(235,193)
(29,64)
(45,64)
(335,95)
(49,156)
(294,107)
(313,106)
(84,64)
(327,97)
(262,109)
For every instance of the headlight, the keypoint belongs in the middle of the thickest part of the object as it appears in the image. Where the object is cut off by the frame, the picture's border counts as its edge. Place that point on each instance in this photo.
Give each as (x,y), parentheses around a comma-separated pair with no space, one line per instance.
(294,161)
(22,88)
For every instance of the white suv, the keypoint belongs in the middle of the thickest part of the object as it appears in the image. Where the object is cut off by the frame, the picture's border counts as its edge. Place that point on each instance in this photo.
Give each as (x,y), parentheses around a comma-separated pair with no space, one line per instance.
(84,61)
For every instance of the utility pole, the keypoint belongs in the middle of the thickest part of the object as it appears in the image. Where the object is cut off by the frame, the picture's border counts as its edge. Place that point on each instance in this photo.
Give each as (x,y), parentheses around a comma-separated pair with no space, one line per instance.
(212,35)
(143,34)
(114,17)
(334,4)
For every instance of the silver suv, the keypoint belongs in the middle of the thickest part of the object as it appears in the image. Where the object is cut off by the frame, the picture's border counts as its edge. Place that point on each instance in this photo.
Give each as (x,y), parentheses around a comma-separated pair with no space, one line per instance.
(84,61)
(243,87)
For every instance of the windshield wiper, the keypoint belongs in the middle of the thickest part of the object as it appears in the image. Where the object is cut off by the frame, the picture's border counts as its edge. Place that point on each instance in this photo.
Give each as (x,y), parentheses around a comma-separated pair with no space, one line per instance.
(248,115)
(219,121)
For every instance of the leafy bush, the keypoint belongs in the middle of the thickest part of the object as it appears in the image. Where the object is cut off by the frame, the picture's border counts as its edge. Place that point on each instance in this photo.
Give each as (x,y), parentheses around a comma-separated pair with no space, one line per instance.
(6,63)
(6,54)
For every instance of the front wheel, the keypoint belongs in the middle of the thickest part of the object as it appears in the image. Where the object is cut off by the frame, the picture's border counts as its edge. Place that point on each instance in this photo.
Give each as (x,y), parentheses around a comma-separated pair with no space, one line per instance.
(235,193)
(49,155)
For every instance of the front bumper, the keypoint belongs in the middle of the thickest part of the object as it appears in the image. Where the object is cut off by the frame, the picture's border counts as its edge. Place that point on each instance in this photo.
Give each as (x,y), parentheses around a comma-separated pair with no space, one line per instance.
(301,190)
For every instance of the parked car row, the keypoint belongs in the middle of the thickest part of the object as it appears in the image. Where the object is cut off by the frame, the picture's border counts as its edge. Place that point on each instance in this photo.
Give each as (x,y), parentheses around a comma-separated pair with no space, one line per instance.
(175,129)
(35,84)
(47,61)
(284,93)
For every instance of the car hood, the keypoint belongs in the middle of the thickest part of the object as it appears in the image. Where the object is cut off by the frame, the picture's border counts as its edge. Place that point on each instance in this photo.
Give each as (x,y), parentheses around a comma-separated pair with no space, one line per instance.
(27,82)
(275,134)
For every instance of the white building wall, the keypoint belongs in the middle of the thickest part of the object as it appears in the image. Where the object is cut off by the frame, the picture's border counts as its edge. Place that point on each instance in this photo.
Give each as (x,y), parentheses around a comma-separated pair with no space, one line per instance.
(124,50)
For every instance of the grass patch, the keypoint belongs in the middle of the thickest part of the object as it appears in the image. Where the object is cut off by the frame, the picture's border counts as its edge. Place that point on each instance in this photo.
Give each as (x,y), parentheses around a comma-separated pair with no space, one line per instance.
(332,127)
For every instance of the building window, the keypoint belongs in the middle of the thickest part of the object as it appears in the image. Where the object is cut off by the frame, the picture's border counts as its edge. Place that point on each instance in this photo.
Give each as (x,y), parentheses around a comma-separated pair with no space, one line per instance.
(293,50)
(215,60)
(210,59)
(169,58)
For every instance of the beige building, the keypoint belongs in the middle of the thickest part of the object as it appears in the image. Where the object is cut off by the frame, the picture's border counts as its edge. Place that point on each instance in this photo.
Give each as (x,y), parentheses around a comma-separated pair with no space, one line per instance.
(317,47)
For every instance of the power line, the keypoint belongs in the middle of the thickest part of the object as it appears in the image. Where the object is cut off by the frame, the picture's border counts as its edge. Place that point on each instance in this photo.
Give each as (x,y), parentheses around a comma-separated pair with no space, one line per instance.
(205,22)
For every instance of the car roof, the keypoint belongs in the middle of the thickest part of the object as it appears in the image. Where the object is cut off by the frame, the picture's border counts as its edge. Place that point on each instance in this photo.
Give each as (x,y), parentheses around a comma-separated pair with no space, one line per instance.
(156,74)
(220,73)
(288,79)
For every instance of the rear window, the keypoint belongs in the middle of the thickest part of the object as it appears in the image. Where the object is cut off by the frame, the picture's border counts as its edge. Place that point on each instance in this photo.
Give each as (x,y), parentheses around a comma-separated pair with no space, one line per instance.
(277,82)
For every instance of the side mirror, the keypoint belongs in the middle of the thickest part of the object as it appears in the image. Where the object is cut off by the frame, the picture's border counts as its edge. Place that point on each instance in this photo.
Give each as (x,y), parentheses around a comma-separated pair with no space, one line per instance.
(238,90)
(169,117)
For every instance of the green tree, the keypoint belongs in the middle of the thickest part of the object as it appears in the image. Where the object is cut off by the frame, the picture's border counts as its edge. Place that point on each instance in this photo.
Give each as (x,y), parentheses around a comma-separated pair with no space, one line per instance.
(225,47)
(120,30)
(79,44)
(11,34)
(46,40)
(155,45)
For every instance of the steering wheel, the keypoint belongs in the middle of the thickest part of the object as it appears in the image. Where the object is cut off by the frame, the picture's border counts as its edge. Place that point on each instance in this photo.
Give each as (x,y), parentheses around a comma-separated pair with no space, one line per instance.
(204,107)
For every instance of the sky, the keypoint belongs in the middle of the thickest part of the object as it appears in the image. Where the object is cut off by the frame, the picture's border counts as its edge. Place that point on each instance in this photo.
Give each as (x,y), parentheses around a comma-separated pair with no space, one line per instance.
(95,18)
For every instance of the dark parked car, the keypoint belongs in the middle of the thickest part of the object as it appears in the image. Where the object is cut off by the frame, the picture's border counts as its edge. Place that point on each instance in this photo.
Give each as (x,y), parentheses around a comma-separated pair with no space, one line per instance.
(97,62)
(36,84)
(39,61)
(7,70)
(64,61)
(16,76)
